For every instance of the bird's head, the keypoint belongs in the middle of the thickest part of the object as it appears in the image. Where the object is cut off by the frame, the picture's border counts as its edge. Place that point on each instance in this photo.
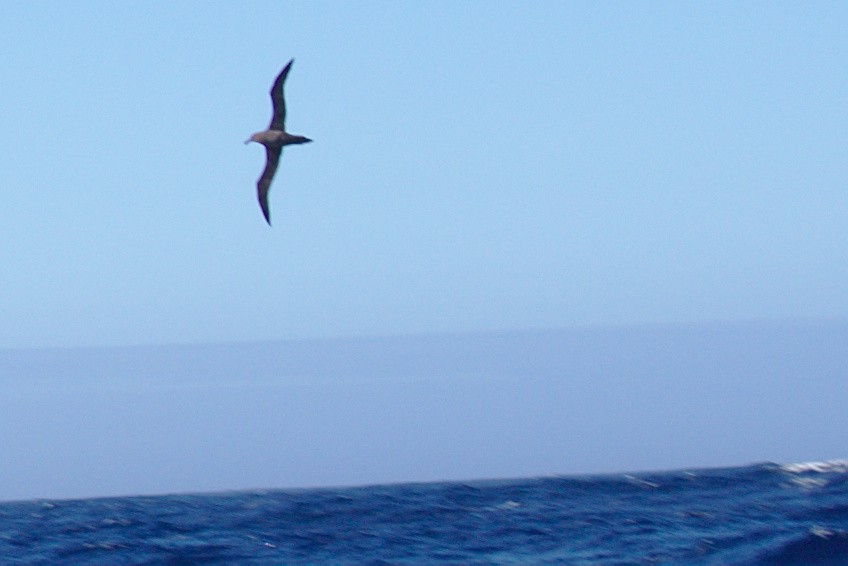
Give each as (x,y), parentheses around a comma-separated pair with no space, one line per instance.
(252,138)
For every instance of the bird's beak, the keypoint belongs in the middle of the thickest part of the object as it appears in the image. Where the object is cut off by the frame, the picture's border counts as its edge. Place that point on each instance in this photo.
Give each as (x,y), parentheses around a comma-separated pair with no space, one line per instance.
(247,141)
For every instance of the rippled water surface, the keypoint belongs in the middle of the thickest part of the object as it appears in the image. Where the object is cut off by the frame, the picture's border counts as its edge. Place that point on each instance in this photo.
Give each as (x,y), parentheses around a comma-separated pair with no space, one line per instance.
(794,514)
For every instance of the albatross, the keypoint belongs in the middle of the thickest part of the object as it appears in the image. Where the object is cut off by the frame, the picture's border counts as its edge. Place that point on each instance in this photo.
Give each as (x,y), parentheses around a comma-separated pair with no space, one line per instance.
(274,138)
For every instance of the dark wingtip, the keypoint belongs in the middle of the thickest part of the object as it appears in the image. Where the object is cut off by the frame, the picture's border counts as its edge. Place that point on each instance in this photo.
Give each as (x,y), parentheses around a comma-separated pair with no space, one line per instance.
(287,68)
(263,205)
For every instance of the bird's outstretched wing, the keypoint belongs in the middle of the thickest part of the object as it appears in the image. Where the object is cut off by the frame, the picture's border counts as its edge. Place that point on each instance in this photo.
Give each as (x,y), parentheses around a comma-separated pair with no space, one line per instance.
(278,120)
(264,182)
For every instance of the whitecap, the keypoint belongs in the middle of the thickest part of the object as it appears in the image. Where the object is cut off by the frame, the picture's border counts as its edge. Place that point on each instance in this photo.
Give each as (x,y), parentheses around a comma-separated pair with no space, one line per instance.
(827,466)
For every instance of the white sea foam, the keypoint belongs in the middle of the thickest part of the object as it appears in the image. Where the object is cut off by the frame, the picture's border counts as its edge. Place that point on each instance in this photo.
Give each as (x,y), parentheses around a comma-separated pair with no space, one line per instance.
(831,466)
(809,483)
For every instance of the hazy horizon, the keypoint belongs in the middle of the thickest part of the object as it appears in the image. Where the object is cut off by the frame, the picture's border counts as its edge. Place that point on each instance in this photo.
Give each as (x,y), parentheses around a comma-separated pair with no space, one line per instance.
(311,413)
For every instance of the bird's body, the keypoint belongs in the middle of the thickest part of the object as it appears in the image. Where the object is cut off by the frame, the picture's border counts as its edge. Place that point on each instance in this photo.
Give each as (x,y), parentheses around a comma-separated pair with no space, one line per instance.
(274,139)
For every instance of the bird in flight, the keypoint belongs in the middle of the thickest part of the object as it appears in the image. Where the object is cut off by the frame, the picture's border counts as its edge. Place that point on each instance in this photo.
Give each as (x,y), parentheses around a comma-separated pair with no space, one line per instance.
(274,138)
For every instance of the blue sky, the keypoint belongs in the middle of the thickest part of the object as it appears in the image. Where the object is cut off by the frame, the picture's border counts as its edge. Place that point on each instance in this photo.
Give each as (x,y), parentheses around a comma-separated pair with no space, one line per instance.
(475,166)
(606,167)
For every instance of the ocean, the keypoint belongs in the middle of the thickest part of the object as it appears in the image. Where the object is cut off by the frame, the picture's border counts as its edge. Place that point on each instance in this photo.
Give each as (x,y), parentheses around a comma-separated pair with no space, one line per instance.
(758,514)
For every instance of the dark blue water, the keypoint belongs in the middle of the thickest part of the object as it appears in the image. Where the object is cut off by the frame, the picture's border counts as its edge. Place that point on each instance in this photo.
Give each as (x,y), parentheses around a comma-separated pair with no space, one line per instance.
(765,513)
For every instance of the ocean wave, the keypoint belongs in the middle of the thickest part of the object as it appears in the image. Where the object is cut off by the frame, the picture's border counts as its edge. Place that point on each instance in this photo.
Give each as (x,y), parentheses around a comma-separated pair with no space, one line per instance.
(817,546)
